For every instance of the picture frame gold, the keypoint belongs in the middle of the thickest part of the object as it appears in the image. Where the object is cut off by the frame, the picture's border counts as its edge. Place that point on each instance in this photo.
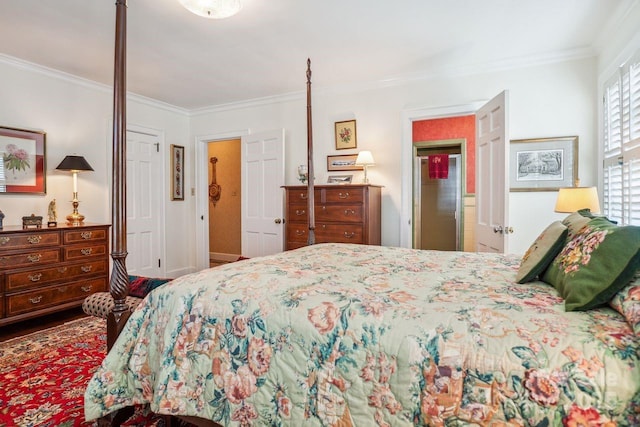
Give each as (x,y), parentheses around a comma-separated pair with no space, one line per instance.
(177,172)
(346,136)
(343,162)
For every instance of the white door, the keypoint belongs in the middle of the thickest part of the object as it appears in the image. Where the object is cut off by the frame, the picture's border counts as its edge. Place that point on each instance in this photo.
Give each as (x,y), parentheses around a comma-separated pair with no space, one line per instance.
(492,171)
(262,161)
(143,204)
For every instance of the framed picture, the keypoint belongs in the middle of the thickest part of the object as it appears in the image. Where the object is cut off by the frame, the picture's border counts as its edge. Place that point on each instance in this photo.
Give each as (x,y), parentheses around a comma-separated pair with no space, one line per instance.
(543,164)
(177,172)
(339,179)
(346,135)
(343,162)
(23,161)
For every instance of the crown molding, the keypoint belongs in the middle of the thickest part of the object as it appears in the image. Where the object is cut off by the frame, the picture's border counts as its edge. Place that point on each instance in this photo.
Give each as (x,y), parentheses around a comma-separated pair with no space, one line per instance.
(90,84)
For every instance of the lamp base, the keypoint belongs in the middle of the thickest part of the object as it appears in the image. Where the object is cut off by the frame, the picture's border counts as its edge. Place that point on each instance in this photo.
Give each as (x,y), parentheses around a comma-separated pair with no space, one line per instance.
(75,218)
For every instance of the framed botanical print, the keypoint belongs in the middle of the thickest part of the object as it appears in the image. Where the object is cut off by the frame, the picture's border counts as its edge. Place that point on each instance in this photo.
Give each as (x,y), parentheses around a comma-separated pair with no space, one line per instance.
(346,135)
(177,172)
(22,169)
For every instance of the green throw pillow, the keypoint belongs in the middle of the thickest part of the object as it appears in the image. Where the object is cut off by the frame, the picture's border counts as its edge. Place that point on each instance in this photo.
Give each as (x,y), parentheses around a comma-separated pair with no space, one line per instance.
(597,262)
(543,250)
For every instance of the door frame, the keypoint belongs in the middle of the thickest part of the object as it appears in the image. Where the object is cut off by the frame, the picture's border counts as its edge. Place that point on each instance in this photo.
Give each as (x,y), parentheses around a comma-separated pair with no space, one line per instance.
(407,153)
(417,182)
(202,191)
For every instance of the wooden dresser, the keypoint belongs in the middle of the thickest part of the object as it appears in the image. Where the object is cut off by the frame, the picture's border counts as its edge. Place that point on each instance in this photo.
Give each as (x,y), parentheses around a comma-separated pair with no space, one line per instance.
(45,270)
(343,214)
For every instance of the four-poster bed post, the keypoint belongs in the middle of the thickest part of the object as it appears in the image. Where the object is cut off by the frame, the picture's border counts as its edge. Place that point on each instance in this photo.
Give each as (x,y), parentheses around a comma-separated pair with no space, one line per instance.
(119,283)
(311,239)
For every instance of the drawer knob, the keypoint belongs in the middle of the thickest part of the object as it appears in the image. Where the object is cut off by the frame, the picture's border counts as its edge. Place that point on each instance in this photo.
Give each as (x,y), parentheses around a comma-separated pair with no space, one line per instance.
(301,212)
(34,239)
(303,195)
(34,258)
(86,268)
(36,300)
(343,195)
(349,212)
(86,251)
(86,235)
(300,232)
(4,240)
(349,235)
(35,277)
(62,269)
(86,288)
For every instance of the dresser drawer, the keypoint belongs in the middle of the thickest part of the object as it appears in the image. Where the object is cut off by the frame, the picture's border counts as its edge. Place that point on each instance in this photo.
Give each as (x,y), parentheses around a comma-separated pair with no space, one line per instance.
(339,213)
(300,196)
(297,232)
(26,259)
(81,236)
(28,240)
(44,276)
(54,295)
(339,233)
(83,251)
(343,195)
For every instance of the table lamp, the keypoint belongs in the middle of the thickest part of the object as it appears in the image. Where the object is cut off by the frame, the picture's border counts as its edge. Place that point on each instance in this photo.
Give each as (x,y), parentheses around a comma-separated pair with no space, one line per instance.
(573,199)
(365,159)
(74,164)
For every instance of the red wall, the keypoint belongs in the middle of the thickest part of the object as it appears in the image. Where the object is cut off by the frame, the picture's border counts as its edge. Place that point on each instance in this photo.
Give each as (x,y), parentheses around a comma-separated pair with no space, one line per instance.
(452,128)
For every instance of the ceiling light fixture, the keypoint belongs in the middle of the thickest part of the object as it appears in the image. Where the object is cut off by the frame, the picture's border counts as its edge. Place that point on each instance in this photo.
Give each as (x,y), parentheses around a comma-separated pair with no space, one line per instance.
(214,9)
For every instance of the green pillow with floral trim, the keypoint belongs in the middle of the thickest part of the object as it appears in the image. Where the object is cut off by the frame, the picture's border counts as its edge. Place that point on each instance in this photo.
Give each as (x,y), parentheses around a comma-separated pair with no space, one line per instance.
(543,250)
(598,261)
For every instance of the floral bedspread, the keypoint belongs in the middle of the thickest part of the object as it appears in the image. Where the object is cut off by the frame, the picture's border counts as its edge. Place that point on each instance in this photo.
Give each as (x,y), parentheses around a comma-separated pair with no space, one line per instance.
(360,335)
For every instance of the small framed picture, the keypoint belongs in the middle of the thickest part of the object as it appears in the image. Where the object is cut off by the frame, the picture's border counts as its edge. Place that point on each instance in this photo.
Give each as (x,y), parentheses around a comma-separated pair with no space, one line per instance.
(343,162)
(177,172)
(339,179)
(346,135)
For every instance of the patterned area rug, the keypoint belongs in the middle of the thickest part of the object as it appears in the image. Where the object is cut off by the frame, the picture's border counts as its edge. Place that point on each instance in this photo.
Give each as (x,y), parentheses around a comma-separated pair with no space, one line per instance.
(43,376)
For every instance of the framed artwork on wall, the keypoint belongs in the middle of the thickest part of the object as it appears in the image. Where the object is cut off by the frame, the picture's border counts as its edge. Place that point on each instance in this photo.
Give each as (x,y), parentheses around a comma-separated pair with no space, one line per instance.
(343,162)
(339,179)
(177,172)
(543,164)
(22,169)
(346,135)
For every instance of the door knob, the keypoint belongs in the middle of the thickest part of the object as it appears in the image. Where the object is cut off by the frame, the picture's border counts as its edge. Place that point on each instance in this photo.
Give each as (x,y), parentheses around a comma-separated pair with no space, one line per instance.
(278,220)
(497,229)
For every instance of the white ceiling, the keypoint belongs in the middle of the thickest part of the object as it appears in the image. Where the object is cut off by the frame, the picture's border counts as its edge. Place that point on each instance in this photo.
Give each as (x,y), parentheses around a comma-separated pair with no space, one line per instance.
(191,62)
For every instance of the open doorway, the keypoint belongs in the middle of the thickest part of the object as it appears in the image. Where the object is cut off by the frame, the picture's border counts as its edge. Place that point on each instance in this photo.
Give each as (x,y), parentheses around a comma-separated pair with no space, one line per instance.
(438,188)
(225,186)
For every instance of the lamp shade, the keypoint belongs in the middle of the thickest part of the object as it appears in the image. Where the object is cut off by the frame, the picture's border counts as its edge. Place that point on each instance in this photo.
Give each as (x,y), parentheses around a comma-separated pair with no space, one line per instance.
(576,198)
(365,158)
(214,9)
(74,163)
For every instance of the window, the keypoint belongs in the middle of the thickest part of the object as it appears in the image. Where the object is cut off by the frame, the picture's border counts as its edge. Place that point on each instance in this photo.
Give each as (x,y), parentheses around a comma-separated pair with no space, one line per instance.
(621,148)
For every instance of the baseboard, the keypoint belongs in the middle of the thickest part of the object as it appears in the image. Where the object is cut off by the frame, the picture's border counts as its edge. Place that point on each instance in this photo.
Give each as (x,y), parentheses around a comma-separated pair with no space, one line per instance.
(219,256)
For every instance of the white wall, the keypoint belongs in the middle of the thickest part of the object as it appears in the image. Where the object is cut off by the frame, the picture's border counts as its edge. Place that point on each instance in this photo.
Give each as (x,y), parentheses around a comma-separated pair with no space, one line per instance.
(76,116)
(556,99)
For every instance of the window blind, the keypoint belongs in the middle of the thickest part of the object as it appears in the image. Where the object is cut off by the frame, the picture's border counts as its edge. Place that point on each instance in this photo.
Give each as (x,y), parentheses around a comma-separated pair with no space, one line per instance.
(621,144)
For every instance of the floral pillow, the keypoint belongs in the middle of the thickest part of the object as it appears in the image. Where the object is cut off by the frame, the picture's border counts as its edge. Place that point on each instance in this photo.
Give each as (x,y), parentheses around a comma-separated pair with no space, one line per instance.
(543,250)
(140,286)
(627,303)
(596,263)
(575,222)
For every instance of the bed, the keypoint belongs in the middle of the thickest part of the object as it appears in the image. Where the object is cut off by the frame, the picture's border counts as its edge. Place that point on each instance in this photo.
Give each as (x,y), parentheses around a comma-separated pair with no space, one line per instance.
(338,334)
(355,335)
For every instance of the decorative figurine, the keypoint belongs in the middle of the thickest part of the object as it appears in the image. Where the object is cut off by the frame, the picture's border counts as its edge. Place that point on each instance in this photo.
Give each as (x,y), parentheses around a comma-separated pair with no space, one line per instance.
(53,214)
(1,218)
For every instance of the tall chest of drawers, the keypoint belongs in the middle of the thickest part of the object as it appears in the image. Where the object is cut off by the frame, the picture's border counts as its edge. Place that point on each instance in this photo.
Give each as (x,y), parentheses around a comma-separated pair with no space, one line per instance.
(343,214)
(50,269)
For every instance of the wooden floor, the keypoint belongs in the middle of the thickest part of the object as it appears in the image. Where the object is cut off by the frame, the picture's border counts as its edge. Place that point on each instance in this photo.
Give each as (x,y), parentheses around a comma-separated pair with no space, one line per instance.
(33,325)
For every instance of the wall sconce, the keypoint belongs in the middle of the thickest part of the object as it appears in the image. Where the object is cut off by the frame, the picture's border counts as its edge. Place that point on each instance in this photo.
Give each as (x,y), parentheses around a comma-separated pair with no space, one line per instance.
(365,159)
(74,164)
(573,199)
